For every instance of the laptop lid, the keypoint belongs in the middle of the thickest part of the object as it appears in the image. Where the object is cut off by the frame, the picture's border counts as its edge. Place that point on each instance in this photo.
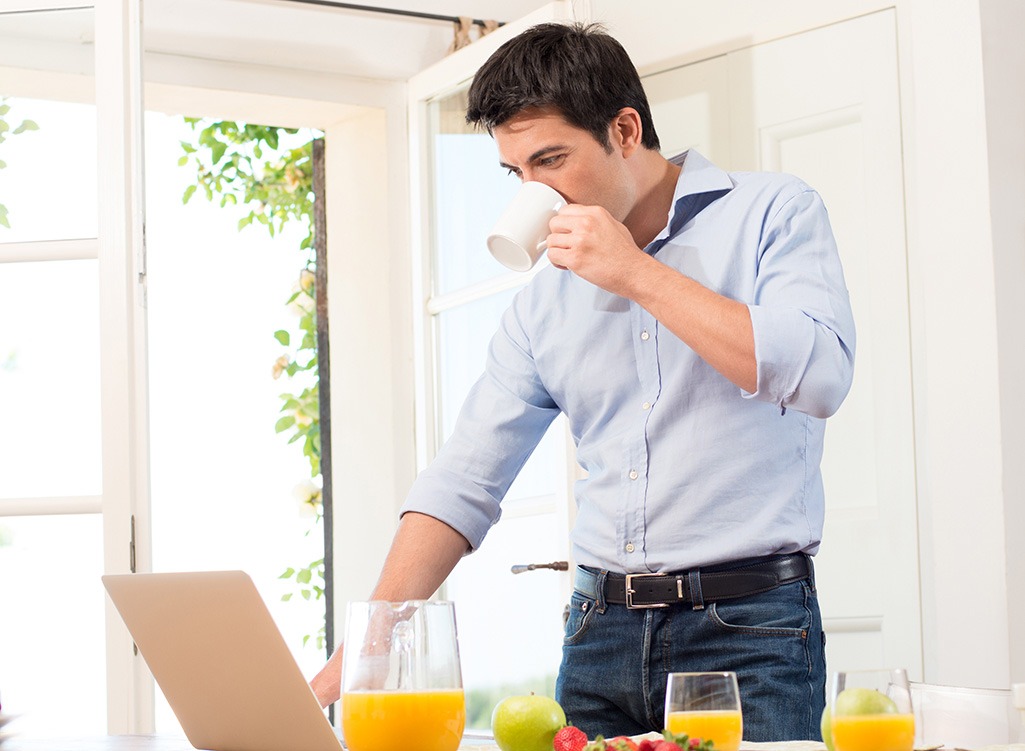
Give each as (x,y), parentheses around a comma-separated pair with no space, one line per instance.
(220,660)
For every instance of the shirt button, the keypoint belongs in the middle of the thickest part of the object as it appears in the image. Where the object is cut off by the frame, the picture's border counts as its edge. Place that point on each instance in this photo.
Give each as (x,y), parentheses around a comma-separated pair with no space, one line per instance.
(646,405)
(629,547)
(644,335)
(633,474)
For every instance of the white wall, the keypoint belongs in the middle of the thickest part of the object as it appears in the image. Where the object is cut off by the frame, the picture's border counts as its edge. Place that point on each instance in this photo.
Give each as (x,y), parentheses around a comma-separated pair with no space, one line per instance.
(661,34)
(371,381)
(1003,64)
(954,343)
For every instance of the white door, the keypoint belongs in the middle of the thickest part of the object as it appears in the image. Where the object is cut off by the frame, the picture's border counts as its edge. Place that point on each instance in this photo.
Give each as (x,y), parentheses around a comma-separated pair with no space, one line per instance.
(824,105)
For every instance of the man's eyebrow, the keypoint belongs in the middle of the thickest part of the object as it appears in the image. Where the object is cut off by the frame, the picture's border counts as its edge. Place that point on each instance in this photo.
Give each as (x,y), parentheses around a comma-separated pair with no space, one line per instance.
(536,155)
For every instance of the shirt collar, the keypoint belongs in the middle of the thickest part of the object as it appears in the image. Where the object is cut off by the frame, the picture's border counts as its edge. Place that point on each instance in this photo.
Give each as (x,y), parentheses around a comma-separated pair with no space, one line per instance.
(699,184)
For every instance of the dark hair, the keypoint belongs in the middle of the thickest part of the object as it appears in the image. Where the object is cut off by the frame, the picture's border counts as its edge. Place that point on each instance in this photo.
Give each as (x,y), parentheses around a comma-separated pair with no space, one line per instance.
(578,69)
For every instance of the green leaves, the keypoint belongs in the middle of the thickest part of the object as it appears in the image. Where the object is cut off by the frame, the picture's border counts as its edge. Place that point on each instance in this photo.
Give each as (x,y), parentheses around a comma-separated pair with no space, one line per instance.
(250,163)
(5,129)
(310,579)
(217,150)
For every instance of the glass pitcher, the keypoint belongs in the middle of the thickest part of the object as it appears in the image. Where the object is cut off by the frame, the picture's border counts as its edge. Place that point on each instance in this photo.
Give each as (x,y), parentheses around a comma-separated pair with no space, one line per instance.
(401,678)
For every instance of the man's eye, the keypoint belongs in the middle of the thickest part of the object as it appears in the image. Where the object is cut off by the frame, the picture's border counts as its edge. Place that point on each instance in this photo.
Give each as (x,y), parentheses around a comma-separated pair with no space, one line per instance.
(513,171)
(551,161)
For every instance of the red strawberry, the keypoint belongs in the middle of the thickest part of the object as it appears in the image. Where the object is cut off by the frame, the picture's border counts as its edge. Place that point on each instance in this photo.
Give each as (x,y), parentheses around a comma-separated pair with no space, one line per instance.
(621,743)
(674,742)
(569,739)
(647,745)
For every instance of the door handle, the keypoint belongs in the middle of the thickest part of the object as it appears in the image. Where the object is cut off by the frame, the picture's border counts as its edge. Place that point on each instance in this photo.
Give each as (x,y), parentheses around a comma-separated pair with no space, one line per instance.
(554,566)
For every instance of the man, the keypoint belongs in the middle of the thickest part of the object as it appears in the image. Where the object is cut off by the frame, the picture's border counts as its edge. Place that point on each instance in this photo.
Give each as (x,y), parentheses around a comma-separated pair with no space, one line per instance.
(695,329)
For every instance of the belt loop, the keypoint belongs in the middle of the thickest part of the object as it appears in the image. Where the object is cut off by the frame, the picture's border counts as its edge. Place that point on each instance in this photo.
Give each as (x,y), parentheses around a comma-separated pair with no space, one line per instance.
(599,586)
(694,586)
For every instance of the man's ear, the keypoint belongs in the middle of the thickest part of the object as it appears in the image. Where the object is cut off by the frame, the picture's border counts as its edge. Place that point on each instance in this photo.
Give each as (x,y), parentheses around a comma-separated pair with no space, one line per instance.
(625,131)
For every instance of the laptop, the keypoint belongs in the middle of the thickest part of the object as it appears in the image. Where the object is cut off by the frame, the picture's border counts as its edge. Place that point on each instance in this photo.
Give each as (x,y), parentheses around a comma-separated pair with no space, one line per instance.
(220,660)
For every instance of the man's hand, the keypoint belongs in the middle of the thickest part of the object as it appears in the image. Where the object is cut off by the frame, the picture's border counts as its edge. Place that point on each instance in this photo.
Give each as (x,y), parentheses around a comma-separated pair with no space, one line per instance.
(327,684)
(588,241)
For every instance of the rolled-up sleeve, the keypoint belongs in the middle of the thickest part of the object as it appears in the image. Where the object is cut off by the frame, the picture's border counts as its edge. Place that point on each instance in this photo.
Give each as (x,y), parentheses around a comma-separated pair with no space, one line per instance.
(500,424)
(801,313)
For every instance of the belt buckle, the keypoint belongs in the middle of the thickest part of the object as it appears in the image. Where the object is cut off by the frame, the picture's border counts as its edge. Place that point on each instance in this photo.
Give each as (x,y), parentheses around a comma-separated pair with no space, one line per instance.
(630,593)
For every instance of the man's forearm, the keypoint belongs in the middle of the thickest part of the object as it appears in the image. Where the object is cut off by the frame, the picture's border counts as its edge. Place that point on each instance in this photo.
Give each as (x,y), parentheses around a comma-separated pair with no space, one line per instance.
(422,555)
(717,328)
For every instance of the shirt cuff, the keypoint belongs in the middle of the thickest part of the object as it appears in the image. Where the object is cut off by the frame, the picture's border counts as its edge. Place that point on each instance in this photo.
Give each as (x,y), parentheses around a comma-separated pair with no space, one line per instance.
(463,505)
(784,340)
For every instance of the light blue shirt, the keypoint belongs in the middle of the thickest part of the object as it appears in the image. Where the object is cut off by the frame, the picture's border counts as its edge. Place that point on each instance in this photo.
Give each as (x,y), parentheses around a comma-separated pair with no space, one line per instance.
(684,469)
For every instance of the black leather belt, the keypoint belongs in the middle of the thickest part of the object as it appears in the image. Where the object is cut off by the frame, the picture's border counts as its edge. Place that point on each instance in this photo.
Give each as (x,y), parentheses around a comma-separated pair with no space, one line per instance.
(695,587)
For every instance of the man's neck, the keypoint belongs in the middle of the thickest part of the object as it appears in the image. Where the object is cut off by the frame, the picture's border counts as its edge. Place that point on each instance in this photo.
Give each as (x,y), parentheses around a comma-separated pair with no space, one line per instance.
(656,185)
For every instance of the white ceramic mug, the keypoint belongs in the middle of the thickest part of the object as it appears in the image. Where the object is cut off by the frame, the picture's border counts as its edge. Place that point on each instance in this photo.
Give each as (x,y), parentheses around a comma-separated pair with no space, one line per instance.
(518,237)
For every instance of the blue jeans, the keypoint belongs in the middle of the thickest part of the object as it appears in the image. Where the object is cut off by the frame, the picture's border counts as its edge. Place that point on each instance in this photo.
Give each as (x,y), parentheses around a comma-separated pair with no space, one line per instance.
(615,661)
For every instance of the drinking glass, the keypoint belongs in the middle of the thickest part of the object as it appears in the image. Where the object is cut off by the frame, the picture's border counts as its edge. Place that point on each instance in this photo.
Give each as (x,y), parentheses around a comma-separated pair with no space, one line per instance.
(871,711)
(401,679)
(705,706)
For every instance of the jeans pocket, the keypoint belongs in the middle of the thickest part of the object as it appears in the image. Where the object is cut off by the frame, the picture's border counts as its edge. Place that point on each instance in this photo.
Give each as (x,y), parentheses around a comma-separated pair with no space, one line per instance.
(581,609)
(781,612)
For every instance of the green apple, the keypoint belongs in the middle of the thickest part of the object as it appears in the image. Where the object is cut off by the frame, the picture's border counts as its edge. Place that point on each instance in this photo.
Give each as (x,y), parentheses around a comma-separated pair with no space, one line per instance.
(826,726)
(854,701)
(527,723)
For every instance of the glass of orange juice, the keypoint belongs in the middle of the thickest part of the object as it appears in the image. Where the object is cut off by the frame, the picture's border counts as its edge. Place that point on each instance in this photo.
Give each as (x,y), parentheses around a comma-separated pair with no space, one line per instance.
(401,677)
(871,711)
(705,706)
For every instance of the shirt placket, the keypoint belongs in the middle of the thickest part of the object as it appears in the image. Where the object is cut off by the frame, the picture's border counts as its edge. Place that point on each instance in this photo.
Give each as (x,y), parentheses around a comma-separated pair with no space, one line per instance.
(635,469)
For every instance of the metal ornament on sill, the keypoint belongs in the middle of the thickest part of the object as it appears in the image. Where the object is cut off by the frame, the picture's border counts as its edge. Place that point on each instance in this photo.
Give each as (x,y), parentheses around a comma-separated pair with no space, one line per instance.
(554,566)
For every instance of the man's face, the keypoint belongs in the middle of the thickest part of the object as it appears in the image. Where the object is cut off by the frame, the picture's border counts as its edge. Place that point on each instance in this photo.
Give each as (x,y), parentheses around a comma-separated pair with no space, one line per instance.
(539,144)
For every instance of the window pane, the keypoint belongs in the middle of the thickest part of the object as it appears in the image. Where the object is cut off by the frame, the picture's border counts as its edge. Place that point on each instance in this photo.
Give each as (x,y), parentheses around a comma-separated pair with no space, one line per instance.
(509,643)
(49,184)
(52,669)
(49,379)
(469,192)
(462,349)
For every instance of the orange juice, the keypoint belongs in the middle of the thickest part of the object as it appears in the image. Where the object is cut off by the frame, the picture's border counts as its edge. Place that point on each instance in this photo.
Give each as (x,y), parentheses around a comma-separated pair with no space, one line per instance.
(874,732)
(723,727)
(388,720)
